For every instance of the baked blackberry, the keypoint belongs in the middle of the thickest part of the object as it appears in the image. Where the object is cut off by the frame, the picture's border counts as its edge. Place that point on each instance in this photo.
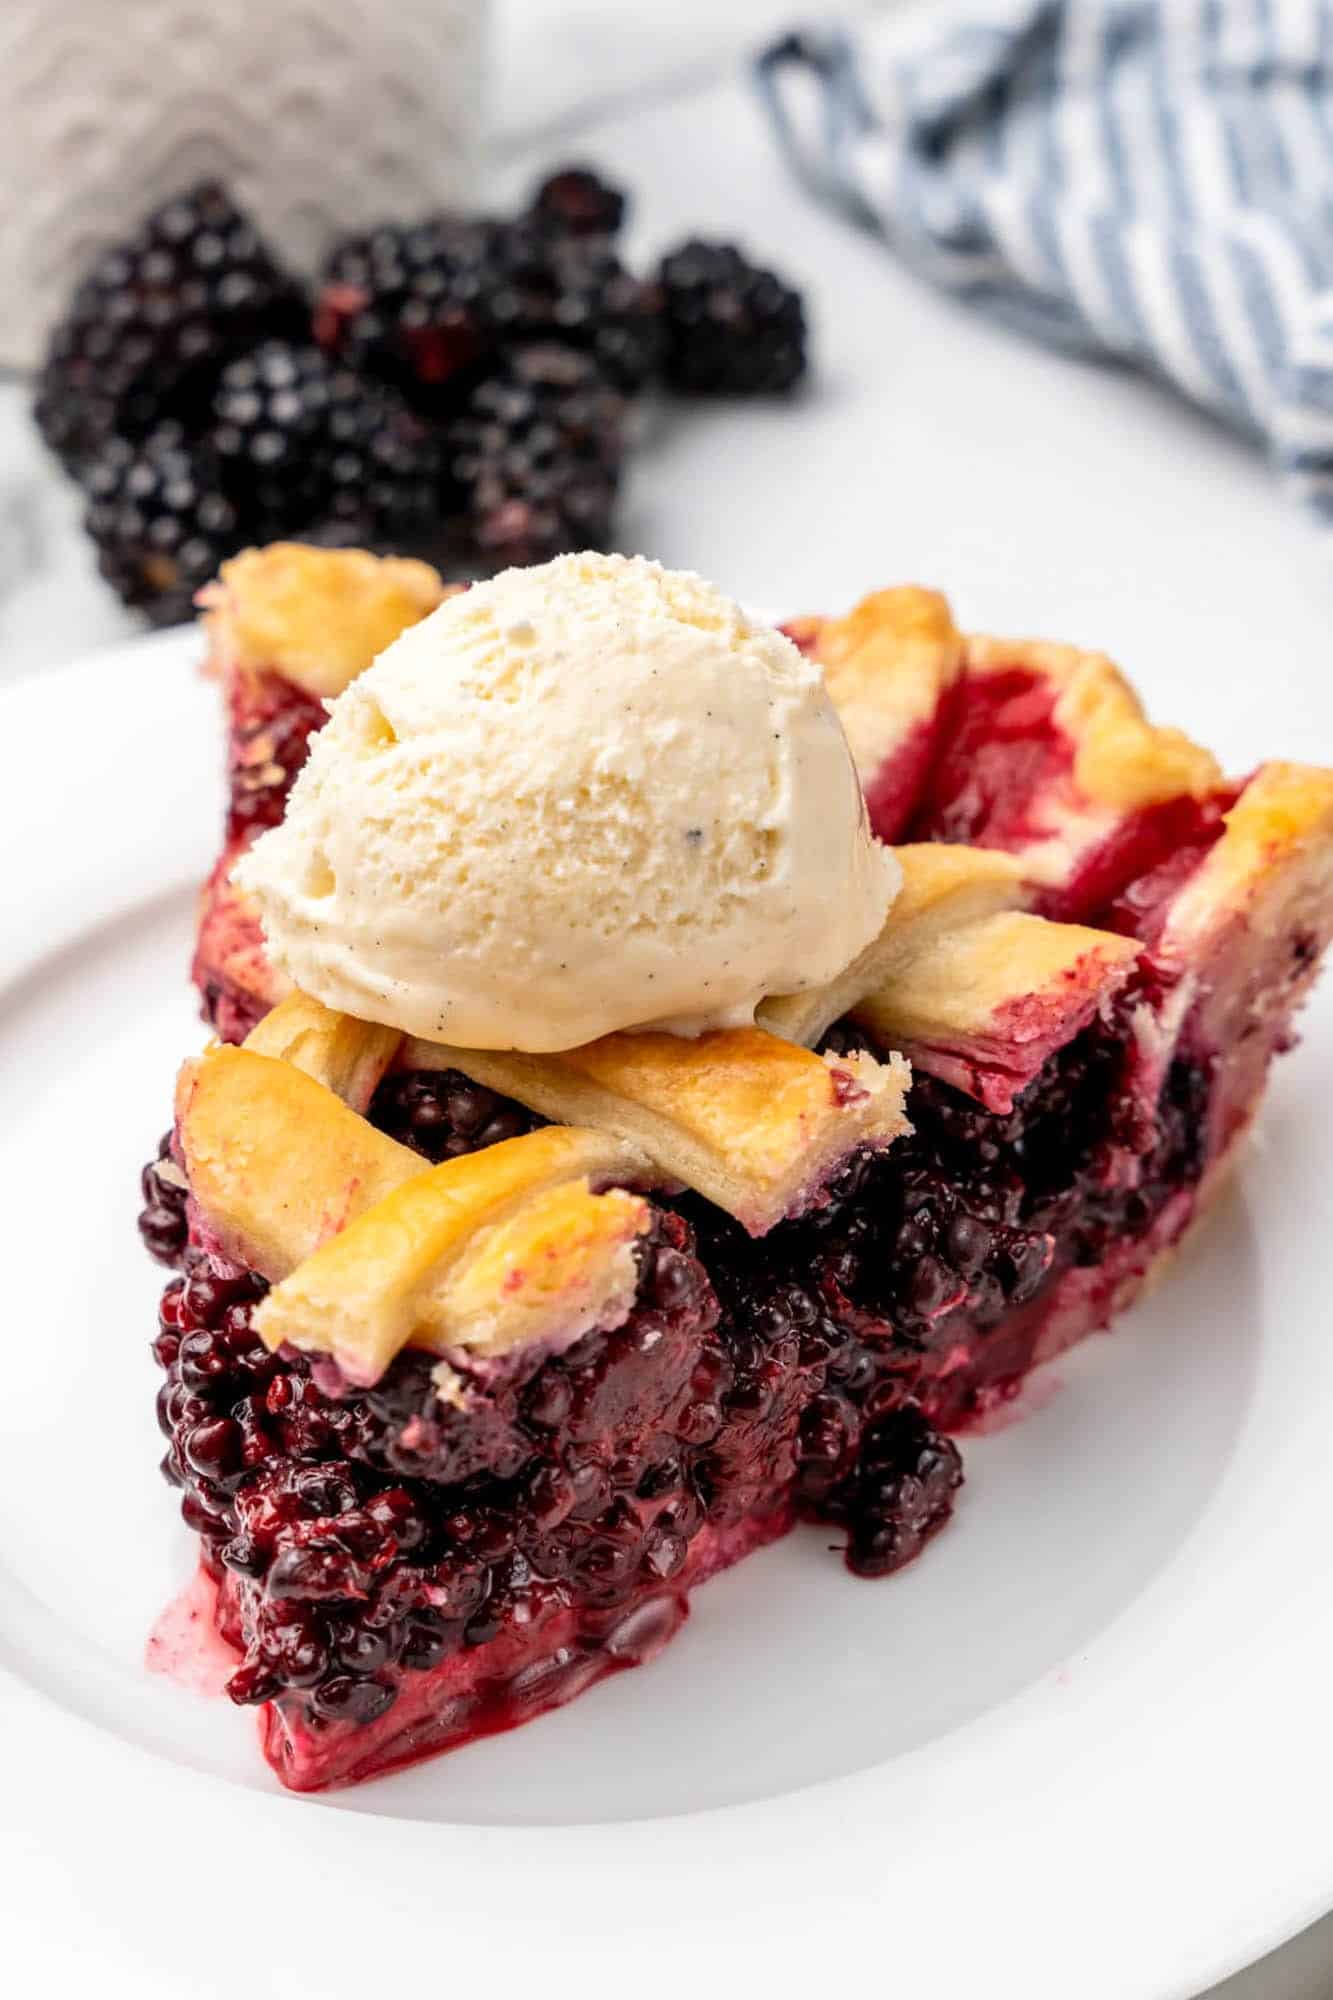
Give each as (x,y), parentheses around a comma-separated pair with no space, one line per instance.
(732,328)
(404,304)
(577,201)
(307,445)
(442,1114)
(162,1220)
(160,521)
(536,456)
(152,325)
(900,1493)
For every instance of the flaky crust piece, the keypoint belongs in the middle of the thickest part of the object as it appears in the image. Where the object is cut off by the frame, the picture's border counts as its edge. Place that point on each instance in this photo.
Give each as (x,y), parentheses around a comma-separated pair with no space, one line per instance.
(317,617)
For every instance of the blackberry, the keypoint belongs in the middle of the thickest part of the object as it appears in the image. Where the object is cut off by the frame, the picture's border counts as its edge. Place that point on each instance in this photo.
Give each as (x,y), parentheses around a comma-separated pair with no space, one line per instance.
(159,521)
(550,286)
(577,201)
(270,431)
(305,444)
(404,304)
(162,1219)
(385,470)
(443,1114)
(156,318)
(536,456)
(732,327)
(900,1494)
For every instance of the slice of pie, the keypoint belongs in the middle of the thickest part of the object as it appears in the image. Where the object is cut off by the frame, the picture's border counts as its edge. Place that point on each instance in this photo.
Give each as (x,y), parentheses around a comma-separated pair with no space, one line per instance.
(479,1361)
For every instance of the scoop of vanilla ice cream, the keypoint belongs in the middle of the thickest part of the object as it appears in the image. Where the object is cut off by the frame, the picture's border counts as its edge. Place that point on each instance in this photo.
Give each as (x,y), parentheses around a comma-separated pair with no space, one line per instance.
(582,797)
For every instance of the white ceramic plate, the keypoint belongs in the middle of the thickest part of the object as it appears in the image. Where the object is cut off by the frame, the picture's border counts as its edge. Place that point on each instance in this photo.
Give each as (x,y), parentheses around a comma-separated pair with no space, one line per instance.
(1081,1749)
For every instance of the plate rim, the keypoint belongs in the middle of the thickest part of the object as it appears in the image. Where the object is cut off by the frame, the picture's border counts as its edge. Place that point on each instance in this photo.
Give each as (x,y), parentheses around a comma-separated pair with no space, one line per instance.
(827,1827)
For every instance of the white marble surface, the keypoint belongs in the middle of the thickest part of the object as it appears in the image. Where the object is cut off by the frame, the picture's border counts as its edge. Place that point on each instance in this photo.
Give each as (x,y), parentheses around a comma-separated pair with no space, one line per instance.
(1045,495)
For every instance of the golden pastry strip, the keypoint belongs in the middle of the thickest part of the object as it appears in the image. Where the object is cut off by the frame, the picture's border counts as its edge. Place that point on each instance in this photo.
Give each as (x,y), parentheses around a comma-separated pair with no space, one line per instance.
(1280,826)
(472,1259)
(755,1124)
(943,888)
(316,616)
(369,1251)
(510,1245)
(887,665)
(346,1055)
(277,1163)
(560,1267)
(1121,760)
(984,1005)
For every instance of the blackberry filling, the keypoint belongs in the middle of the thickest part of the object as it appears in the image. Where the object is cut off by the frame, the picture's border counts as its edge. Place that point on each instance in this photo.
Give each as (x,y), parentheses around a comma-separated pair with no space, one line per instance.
(1001,752)
(827,1325)
(959,1238)
(899,1493)
(401,1575)
(365,1540)
(272,723)
(163,1224)
(443,1114)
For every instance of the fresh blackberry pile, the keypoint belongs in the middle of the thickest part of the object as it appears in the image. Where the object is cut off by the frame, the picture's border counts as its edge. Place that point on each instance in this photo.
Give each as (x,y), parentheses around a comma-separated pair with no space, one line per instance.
(576,290)
(460,388)
(405,305)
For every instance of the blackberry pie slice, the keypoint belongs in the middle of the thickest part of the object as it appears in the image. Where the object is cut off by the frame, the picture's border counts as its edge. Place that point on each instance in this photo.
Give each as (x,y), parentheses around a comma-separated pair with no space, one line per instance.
(481,1357)
(459,1439)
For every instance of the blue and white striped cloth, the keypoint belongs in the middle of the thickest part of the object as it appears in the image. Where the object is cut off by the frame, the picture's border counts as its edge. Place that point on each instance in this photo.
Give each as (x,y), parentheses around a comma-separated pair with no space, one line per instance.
(1148,179)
